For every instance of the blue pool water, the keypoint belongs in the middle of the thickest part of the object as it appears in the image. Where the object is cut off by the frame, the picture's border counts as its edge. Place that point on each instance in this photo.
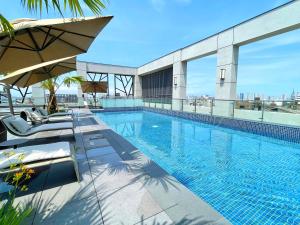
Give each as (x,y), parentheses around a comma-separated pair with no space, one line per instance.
(250,179)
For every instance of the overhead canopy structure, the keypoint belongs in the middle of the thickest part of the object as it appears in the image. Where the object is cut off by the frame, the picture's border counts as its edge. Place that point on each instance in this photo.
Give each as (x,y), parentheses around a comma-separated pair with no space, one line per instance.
(94,87)
(38,41)
(40,72)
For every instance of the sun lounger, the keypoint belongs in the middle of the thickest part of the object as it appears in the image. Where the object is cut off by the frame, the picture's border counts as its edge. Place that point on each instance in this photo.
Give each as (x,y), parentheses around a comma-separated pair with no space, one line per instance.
(19,127)
(36,118)
(43,112)
(38,156)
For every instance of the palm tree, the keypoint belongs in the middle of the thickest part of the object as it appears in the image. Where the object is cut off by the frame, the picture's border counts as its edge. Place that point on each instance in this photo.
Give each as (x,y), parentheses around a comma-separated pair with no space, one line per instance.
(53,84)
(75,6)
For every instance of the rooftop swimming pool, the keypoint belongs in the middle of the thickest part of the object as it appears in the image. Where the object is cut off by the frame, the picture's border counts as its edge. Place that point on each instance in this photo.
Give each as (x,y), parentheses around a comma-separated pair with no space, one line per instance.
(249,179)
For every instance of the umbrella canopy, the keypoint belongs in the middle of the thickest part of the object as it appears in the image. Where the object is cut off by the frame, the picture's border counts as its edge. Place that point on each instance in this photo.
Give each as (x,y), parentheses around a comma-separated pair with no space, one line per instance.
(38,41)
(94,87)
(43,71)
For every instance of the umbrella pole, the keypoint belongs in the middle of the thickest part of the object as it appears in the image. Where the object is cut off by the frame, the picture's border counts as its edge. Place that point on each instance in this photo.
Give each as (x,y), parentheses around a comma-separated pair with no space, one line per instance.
(10,103)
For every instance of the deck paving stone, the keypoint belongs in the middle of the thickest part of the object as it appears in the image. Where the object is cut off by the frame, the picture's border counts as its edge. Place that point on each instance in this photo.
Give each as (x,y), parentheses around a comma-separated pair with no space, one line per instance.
(29,200)
(86,211)
(93,136)
(105,161)
(63,187)
(159,219)
(95,143)
(100,151)
(128,205)
(113,179)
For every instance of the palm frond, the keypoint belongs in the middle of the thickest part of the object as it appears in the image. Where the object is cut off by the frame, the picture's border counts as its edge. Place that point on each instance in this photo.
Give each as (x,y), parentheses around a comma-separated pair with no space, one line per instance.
(48,84)
(5,26)
(95,6)
(73,80)
(75,6)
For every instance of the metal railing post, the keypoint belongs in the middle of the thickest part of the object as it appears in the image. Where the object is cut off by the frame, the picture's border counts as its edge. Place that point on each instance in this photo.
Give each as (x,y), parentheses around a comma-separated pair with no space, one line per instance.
(262,111)
(195,102)
(182,105)
(211,107)
(233,107)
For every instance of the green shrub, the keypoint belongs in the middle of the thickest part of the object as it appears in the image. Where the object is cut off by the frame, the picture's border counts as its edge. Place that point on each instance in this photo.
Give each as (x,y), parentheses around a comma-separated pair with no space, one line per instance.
(11,213)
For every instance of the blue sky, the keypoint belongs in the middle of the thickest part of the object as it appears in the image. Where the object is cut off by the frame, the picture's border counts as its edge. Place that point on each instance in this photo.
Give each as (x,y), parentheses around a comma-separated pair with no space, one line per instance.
(143,30)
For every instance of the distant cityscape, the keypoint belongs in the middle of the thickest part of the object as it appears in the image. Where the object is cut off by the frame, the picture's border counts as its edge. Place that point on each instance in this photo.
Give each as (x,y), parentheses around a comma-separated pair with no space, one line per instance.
(284,97)
(294,96)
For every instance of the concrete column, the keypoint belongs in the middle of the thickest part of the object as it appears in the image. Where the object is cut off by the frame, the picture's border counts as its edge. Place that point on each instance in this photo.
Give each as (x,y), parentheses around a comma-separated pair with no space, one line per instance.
(38,94)
(227,60)
(179,81)
(227,63)
(137,86)
(81,71)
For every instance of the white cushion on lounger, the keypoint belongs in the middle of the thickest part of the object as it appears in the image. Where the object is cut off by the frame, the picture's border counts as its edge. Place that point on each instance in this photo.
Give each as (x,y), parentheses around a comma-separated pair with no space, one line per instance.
(19,124)
(36,116)
(60,118)
(43,112)
(60,114)
(35,153)
(52,126)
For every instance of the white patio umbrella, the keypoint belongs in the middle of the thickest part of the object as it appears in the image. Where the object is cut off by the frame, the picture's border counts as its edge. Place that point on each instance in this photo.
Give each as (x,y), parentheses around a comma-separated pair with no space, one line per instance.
(39,41)
(40,72)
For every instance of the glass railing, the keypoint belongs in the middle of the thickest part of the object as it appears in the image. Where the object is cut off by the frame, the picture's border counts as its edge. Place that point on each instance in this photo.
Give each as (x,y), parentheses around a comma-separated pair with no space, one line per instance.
(19,104)
(119,102)
(279,112)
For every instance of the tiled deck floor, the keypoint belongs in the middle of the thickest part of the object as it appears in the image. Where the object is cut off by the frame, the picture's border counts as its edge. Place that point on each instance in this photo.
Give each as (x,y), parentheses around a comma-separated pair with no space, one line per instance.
(119,185)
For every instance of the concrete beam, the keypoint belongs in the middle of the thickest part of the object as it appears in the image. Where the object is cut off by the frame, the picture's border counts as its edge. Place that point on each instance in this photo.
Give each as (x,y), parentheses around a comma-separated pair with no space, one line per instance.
(107,68)
(276,21)
(159,64)
(204,48)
